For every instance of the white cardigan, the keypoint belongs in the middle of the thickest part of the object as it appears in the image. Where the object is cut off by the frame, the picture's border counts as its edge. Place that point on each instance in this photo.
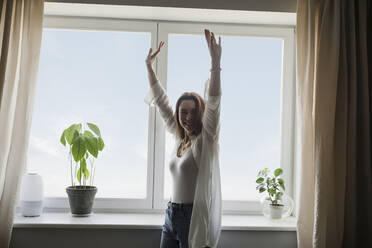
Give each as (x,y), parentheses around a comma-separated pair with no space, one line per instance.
(205,225)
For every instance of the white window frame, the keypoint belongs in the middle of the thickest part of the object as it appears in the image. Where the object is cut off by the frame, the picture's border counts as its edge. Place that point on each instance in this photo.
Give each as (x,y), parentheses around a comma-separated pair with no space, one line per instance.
(106,24)
(287,103)
(159,30)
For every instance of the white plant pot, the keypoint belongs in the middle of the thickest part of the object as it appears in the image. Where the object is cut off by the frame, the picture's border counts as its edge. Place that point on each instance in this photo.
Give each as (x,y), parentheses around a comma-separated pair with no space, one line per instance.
(276,211)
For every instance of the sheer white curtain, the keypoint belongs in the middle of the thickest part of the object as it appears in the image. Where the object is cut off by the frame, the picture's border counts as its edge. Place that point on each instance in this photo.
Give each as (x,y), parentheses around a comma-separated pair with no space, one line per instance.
(334,116)
(20,33)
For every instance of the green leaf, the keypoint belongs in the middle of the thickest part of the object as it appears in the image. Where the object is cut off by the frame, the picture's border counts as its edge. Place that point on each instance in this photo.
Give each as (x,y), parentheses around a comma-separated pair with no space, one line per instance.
(262,190)
(101,144)
(71,133)
(79,175)
(92,145)
(260,185)
(86,173)
(88,133)
(94,128)
(281,183)
(63,139)
(260,180)
(79,148)
(279,195)
(278,172)
(272,191)
(78,127)
(83,164)
(83,167)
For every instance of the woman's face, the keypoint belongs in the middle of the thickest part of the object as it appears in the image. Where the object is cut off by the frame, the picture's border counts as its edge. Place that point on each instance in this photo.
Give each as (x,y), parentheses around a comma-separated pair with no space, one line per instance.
(187,115)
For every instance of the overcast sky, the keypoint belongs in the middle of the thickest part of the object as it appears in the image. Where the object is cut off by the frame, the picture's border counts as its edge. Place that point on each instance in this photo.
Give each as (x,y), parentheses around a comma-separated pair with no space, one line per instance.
(100,77)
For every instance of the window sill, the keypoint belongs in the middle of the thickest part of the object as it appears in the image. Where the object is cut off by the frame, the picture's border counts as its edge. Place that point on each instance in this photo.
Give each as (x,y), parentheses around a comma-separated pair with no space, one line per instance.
(146,221)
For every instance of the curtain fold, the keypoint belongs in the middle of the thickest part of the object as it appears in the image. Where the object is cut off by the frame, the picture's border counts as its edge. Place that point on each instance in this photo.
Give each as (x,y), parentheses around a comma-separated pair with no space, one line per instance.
(21,31)
(334,111)
(358,213)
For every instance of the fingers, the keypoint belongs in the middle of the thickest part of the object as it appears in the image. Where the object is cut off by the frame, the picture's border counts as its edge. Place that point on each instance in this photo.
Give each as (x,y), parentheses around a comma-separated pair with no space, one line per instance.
(207,37)
(213,39)
(161,44)
(157,51)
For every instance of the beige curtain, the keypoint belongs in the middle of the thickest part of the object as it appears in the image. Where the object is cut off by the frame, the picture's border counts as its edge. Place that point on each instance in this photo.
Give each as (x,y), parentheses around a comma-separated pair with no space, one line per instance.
(334,100)
(20,40)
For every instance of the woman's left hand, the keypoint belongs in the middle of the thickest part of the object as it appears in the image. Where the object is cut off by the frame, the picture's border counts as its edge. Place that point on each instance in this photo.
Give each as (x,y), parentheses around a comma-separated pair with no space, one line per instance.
(214,47)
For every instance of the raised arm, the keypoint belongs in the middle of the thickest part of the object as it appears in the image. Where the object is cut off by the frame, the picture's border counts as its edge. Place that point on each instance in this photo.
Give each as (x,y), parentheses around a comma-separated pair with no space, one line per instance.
(157,94)
(215,52)
(211,118)
(150,59)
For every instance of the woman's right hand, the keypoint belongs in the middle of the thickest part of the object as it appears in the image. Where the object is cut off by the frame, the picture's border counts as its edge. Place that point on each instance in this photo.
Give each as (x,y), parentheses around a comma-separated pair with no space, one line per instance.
(151,57)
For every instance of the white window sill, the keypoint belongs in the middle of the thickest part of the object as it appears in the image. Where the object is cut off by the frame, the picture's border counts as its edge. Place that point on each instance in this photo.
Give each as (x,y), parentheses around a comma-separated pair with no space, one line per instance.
(146,221)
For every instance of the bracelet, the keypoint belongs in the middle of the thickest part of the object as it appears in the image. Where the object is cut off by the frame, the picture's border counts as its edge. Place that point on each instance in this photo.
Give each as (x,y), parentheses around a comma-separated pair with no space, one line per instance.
(216,69)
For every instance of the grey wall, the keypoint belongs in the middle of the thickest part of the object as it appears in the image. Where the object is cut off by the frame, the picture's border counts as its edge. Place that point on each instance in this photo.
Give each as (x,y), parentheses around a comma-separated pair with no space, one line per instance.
(145,238)
(253,5)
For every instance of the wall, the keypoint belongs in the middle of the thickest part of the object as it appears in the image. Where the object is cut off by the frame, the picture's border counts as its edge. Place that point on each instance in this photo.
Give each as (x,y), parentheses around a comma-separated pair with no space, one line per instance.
(144,238)
(252,5)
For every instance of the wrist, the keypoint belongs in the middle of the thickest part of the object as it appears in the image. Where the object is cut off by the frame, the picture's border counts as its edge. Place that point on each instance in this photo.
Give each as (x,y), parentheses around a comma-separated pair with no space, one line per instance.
(216,65)
(215,69)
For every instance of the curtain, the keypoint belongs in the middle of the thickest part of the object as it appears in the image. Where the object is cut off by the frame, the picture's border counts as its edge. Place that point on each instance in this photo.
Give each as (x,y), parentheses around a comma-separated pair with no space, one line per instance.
(21,31)
(334,103)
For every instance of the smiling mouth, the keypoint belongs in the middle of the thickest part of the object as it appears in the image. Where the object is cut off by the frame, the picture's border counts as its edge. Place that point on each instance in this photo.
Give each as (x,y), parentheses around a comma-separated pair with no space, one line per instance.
(188,125)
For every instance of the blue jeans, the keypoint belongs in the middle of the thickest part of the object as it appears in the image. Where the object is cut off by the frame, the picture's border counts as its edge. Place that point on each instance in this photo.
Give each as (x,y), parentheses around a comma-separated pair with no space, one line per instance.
(175,230)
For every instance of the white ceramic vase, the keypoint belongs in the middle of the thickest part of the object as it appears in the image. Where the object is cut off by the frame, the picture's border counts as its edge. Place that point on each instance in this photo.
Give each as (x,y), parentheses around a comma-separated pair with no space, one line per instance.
(286,211)
(32,192)
(276,211)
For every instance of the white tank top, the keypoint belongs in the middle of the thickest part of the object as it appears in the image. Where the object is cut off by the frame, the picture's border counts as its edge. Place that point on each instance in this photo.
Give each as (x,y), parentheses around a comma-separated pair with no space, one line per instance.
(184,172)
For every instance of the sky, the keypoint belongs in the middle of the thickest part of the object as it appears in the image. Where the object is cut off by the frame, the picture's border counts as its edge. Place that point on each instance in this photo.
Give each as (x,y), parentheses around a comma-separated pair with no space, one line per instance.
(100,77)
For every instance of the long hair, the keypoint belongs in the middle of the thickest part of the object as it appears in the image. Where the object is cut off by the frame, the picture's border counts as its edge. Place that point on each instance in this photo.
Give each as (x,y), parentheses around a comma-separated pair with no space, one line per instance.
(199,105)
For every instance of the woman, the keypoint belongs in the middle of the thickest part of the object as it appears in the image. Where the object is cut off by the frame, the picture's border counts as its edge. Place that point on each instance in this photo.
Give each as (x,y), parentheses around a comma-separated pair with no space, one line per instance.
(193,216)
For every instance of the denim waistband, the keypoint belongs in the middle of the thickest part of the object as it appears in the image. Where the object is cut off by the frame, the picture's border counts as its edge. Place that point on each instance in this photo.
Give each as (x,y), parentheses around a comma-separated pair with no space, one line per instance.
(179,205)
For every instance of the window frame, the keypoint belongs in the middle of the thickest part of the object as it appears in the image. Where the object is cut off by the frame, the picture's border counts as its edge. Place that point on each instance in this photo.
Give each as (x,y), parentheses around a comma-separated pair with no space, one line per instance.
(287,102)
(120,25)
(159,30)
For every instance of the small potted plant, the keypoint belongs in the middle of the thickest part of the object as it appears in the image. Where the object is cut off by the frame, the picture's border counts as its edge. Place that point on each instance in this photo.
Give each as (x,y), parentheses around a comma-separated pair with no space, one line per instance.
(274,186)
(83,144)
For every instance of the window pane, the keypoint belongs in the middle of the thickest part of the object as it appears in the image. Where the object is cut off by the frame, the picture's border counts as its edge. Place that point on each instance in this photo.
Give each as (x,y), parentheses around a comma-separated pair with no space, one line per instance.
(96,77)
(250,105)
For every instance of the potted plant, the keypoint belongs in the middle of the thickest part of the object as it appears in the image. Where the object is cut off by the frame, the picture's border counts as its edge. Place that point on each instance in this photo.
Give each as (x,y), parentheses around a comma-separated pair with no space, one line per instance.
(83,144)
(274,186)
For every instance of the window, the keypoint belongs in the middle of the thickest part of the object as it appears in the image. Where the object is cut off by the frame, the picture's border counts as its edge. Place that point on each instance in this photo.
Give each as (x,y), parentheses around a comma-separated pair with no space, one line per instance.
(256,105)
(92,70)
